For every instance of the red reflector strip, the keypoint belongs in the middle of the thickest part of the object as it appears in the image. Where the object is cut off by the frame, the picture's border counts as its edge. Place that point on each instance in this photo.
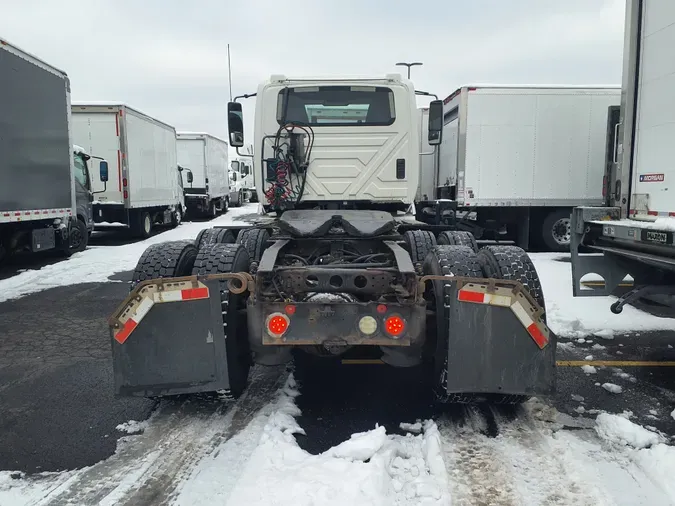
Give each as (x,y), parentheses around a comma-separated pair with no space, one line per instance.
(469,296)
(195,293)
(126,331)
(537,335)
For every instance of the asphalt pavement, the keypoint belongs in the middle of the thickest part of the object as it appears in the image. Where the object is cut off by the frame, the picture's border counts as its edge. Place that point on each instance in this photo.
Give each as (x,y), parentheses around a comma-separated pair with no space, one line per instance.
(59,412)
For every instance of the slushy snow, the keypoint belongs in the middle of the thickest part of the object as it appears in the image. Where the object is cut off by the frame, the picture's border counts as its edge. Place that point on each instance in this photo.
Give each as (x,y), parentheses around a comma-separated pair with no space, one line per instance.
(589,369)
(371,468)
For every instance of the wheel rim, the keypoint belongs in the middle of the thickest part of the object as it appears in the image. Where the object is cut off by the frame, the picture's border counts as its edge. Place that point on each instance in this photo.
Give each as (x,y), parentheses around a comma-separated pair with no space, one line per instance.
(562,231)
(147,225)
(76,238)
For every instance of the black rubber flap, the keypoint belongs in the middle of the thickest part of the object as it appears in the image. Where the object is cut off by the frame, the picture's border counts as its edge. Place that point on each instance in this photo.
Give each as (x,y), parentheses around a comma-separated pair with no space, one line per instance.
(311,222)
(177,348)
(491,352)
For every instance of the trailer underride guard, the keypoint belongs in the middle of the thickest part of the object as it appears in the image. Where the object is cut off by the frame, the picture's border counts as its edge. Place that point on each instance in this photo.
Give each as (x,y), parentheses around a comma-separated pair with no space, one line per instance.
(335,266)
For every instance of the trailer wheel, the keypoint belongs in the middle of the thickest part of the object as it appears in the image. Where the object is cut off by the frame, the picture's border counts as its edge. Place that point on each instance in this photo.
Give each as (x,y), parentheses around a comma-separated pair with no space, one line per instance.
(420,243)
(225,205)
(165,260)
(255,242)
(458,238)
(223,259)
(210,236)
(446,260)
(556,230)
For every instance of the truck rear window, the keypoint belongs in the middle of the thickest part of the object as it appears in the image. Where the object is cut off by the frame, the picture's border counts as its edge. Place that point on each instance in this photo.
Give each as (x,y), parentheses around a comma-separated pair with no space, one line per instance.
(337,105)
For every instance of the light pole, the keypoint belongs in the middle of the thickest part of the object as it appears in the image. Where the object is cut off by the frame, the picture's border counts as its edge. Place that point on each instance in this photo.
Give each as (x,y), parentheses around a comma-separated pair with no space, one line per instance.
(409,64)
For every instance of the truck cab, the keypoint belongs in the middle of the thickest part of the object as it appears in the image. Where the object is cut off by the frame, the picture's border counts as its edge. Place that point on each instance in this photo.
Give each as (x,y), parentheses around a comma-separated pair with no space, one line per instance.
(361,135)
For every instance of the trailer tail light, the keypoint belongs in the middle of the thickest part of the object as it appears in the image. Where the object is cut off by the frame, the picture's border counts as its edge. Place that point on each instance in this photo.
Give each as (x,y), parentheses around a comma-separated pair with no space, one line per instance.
(394,326)
(381,308)
(126,195)
(290,309)
(125,183)
(277,324)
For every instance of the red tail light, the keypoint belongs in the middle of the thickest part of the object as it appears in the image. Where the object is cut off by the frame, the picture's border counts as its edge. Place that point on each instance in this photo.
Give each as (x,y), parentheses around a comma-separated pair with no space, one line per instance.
(394,325)
(124,182)
(277,324)
(126,194)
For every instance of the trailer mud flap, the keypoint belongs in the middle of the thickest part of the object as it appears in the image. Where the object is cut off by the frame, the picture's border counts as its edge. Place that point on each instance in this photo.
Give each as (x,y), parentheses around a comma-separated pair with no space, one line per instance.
(498,342)
(168,339)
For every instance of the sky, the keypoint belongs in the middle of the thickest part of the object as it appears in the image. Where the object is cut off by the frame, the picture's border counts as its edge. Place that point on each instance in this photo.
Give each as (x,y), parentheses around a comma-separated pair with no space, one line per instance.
(168,58)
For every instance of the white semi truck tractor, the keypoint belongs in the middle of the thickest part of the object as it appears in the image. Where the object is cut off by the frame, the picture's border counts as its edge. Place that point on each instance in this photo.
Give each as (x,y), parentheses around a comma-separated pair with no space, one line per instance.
(337,264)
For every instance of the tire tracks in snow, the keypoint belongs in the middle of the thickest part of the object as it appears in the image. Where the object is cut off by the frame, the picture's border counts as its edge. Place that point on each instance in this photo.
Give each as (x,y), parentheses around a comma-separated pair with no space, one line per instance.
(528,462)
(148,468)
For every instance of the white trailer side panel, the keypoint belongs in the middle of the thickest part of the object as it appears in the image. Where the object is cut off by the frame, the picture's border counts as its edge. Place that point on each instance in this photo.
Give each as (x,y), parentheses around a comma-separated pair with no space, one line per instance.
(151,159)
(217,167)
(192,155)
(532,146)
(653,173)
(99,134)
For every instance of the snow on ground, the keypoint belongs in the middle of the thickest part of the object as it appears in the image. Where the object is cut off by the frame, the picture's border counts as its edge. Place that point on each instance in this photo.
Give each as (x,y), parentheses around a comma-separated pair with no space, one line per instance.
(97,264)
(619,429)
(371,468)
(577,317)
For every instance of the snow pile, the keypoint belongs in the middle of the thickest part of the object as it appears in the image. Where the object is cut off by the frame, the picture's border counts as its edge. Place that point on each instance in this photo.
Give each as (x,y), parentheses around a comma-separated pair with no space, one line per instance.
(589,369)
(371,468)
(97,264)
(577,317)
(612,388)
(132,426)
(647,450)
(619,429)
(415,428)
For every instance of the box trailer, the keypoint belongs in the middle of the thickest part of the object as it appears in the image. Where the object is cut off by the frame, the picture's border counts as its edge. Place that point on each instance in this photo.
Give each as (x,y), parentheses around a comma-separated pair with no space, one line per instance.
(518,159)
(145,186)
(634,232)
(43,205)
(203,160)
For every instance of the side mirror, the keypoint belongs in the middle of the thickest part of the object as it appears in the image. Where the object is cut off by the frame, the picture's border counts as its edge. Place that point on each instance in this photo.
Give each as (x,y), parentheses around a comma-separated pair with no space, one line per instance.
(103,171)
(435,122)
(235,124)
(190,177)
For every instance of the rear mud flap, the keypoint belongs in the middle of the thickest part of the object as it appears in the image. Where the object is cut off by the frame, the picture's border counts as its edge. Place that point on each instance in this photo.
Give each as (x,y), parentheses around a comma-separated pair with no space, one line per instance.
(498,343)
(168,339)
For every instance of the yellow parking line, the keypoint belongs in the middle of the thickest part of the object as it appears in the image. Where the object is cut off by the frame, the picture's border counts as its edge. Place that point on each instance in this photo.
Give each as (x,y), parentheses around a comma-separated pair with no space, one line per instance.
(616,363)
(600,284)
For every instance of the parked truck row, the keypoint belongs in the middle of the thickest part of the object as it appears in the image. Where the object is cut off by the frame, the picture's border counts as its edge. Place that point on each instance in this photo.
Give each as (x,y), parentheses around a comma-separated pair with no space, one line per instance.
(69,168)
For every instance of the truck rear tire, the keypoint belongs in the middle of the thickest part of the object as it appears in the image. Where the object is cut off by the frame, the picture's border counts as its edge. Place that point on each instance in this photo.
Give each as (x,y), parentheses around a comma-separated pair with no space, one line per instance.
(165,260)
(420,243)
(458,238)
(556,230)
(210,236)
(142,225)
(446,260)
(224,259)
(255,242)
(512,262)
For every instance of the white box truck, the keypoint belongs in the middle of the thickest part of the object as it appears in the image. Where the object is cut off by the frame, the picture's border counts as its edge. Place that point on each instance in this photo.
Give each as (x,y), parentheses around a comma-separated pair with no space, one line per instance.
(242,186)
(517,159)
(203,160)
(634,232)
(145,187)
(45,184)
